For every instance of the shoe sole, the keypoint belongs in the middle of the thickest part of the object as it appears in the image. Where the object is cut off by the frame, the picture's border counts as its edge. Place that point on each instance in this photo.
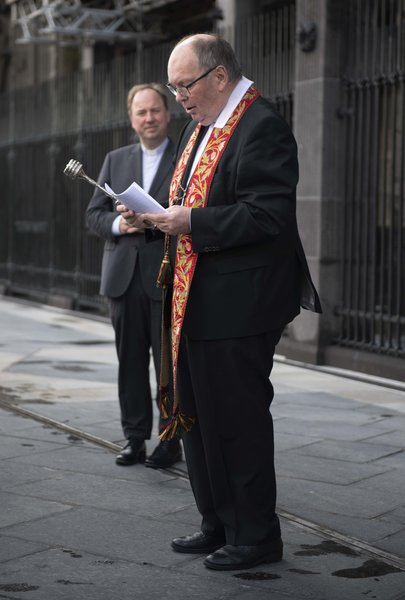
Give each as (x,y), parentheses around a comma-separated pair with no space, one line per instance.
(153,465)
(272,558)
(126,463)
(206,550)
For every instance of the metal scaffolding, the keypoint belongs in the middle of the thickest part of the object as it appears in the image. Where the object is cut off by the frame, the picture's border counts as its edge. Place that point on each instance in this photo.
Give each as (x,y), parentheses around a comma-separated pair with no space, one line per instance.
(70,22)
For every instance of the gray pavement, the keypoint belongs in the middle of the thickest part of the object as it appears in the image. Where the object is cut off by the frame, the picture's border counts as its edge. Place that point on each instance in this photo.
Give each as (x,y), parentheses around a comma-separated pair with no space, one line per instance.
(75,525)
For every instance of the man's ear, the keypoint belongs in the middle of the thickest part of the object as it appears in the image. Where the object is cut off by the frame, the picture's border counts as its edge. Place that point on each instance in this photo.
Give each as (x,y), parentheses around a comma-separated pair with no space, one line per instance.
(222,77)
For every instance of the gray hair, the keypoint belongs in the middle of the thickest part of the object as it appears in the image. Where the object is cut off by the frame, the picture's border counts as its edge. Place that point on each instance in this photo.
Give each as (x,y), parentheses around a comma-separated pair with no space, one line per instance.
(212,50)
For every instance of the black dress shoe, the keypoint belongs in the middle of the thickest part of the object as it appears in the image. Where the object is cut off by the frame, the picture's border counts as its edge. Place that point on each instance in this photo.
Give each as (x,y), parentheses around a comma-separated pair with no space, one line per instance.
(198,543)
(164,455)
(134,452)
(233,558)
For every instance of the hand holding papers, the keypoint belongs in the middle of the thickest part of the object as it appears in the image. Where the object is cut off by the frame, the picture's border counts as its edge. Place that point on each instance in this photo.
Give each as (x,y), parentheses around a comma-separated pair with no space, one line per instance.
(174,220)
(136,199)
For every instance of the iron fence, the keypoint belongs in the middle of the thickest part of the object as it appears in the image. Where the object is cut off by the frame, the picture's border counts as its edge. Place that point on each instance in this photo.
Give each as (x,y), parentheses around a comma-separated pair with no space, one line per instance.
(265,45)
(373,278)
(45,249)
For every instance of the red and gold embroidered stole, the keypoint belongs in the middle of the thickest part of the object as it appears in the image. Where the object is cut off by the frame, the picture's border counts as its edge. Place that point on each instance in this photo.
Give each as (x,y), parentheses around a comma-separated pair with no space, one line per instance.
(195,197)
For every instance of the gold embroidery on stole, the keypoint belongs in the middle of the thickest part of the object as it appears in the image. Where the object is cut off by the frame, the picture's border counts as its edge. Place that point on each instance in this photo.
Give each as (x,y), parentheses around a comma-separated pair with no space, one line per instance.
(195,197)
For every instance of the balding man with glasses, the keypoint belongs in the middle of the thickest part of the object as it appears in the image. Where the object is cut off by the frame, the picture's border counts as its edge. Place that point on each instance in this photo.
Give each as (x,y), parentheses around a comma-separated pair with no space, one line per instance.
(240,275)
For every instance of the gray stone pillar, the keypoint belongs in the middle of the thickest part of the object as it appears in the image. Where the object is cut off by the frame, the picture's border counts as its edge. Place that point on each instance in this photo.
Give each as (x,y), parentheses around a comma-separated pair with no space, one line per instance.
(319,201)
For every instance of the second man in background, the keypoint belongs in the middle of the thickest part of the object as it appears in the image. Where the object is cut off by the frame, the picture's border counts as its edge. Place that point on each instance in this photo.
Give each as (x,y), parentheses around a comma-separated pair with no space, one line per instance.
(130,267)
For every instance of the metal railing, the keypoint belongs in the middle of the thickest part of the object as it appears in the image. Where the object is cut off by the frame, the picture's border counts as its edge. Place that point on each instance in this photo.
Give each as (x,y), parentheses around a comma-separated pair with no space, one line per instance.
(373,279)
(45,249)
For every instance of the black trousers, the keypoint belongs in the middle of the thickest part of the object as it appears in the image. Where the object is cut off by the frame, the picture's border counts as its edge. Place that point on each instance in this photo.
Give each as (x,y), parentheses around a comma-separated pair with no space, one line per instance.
(230,449)
(136,320)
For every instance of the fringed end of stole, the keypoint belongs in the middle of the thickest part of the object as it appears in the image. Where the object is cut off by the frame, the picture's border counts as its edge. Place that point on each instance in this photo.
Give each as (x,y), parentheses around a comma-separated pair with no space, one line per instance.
(178,422)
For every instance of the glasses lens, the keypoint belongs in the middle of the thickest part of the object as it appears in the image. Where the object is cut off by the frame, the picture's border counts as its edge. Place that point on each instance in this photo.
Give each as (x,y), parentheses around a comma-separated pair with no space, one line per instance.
(181,90)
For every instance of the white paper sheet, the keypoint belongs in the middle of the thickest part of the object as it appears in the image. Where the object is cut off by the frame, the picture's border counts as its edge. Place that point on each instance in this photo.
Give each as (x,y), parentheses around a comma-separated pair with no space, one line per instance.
(135,198)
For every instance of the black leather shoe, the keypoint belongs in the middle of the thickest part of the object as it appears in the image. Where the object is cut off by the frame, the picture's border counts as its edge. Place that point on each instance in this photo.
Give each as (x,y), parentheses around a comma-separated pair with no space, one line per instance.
(198,543)
(233,558)
(164,455)
(134,452)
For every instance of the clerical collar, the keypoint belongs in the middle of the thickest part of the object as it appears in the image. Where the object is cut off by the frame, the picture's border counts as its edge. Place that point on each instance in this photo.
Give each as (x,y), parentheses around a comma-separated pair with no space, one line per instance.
(236,96)
(156,151)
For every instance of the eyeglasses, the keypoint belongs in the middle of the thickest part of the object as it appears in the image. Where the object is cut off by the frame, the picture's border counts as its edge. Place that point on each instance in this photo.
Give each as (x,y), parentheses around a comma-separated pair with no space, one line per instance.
(184,90)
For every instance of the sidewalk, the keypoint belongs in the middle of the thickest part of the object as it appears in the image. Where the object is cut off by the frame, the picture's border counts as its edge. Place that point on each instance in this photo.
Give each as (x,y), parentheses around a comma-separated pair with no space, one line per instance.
(74,525)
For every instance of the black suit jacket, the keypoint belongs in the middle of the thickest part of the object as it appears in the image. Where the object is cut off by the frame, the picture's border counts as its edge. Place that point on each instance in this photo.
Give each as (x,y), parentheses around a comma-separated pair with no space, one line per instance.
(120,168)
(251,274)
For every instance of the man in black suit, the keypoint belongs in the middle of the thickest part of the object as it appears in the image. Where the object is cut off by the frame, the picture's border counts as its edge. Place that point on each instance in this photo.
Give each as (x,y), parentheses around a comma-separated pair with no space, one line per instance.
(240,277)
(130,267)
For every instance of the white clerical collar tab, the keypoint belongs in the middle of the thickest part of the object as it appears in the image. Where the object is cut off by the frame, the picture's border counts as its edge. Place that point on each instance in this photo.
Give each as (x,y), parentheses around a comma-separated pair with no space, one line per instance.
(237,94)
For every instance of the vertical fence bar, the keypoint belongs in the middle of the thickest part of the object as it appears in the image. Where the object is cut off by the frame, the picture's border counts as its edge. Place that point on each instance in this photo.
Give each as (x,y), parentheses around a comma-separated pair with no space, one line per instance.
(400,279)
(83,116)
(373,307)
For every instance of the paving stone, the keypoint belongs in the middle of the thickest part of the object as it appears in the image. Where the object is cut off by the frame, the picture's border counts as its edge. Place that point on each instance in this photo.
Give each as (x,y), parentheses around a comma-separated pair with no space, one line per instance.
(13,474)
(65,574)
(14,423)
(11,548)
(29,331)
(392,438)
(43,433)
(309,569)
(16,509)
(111,534)
(331,431)
(390,484)
(287,441)
(77,489)
(310,401)
(294,463)
(22,446)
(96,412)
(396,460)
(75,525)
(394,543)
(354,452)
(82,457)
(312,568)
(397,514)
(366,530)
(92,371)
(302,497)
(335,414)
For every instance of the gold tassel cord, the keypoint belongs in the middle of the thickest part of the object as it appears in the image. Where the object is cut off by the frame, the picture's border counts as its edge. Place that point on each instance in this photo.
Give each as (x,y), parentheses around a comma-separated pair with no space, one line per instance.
(186,422)
(169,432)
(179,421)
(165,276)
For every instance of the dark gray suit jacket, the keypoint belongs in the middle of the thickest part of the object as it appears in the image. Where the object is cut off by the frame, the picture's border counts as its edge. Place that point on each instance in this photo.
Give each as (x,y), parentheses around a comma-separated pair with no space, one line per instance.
(251,274)
(120,168)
